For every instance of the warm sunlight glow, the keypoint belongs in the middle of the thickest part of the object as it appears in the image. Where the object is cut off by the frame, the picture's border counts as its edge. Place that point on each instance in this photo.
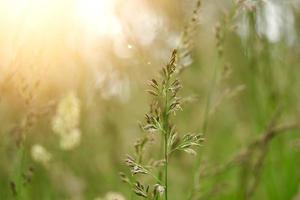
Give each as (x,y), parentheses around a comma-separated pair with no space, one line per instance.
(98,16)
(93,16)
(59,37)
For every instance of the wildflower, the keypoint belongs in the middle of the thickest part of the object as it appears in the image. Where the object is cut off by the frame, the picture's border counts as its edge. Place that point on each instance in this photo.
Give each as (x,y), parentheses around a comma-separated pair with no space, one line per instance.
(67,114)
(66,121)
(111,196)
(40,154)
(114,196)
(70,140)
(159,189)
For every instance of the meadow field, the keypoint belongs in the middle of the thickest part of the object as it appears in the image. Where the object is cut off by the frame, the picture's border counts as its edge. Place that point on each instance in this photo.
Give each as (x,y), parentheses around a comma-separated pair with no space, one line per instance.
(150,99)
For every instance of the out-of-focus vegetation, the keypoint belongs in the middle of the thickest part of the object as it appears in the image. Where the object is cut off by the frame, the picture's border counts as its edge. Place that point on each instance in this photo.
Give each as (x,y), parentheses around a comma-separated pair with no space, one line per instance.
(73,76)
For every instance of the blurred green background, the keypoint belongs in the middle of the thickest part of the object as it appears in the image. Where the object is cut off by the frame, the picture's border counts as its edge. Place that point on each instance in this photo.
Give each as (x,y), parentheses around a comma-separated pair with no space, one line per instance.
(245,67)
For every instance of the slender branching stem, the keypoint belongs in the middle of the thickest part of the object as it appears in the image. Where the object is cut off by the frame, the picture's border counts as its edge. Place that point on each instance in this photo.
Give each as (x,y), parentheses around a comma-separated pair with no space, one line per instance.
(166,133)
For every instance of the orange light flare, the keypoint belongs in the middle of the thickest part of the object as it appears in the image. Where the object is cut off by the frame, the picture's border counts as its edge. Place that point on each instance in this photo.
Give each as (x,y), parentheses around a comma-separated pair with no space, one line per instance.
(45,33)
(65,42)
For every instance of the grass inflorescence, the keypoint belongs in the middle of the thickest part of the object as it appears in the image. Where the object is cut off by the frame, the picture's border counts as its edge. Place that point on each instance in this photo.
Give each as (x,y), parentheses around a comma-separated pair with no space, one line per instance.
(165,103)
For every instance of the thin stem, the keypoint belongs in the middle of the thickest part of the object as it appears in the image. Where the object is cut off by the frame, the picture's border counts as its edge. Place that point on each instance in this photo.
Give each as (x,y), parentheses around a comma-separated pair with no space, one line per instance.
(166,167)
(166,135)
(149,173)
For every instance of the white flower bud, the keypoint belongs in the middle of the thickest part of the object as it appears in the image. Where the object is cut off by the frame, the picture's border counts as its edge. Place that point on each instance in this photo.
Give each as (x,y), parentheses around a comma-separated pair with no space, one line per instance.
(40,154)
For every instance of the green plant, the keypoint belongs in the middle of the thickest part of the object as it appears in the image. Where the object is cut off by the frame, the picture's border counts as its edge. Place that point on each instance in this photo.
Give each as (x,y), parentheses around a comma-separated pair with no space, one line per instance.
(165,102)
